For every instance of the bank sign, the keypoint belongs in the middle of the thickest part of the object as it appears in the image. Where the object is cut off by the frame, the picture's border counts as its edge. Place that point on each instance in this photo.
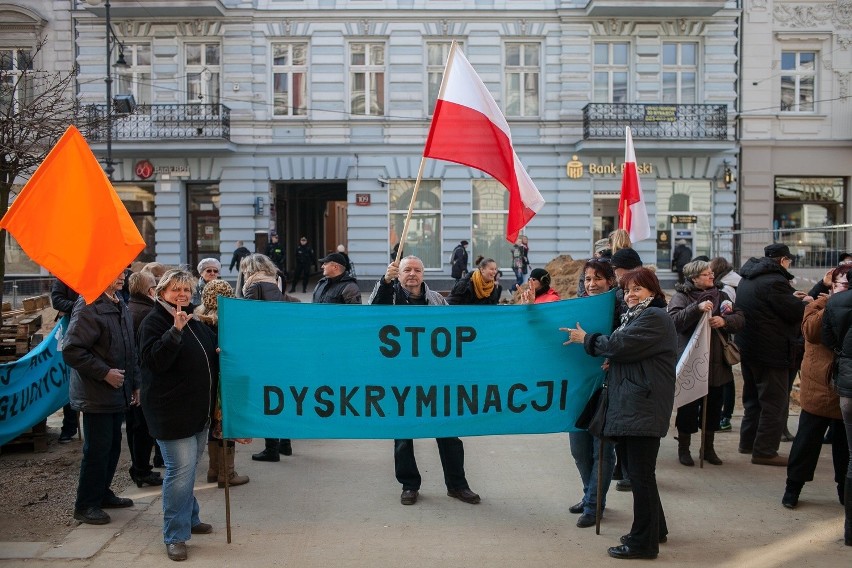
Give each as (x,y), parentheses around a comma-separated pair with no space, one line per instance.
(575,169)
(340,371)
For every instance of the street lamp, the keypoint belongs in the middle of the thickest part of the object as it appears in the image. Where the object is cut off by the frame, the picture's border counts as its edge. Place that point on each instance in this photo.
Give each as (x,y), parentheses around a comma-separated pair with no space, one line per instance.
(111,42)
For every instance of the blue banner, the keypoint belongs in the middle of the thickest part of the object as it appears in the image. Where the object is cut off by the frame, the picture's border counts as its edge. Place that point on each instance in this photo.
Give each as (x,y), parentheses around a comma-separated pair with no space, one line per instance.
(33,387)
(341,371)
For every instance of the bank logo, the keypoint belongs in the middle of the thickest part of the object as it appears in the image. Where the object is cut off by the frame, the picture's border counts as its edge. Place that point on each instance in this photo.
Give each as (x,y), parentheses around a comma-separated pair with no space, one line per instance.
(575,168)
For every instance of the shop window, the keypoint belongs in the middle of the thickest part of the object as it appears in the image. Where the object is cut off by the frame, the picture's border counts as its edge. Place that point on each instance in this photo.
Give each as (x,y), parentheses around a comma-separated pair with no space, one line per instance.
(424,230)
(490,213)
(802,207)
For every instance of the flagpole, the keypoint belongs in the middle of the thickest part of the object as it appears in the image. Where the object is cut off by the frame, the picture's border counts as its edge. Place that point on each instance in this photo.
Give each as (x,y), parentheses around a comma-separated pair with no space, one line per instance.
(404,235)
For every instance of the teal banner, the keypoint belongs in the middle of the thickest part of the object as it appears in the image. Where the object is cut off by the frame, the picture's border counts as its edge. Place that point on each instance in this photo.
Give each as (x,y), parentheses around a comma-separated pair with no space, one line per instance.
(343,371)
(33,387)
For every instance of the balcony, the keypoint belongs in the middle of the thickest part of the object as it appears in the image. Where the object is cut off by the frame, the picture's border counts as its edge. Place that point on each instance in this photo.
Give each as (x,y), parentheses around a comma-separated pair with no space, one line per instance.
(656,121)
(653,8)
(165,123)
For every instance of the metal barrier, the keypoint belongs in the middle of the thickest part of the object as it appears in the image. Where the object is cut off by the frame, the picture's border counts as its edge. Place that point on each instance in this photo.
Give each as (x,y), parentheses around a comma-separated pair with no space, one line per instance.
(16,289)
(815,249)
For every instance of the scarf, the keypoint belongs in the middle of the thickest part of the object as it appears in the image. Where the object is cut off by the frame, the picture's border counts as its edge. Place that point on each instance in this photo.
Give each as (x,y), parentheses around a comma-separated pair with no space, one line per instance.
(259,277)
(481,288)
(697,296)
(632,313)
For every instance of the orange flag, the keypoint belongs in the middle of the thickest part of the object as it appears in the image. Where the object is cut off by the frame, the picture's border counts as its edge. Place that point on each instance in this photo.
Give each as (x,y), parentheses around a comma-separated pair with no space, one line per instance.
(69,219)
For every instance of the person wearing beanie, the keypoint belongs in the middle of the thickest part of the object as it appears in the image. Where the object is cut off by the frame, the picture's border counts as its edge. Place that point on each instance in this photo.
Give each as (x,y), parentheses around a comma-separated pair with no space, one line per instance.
(208,269)
(539,291)
(625,259)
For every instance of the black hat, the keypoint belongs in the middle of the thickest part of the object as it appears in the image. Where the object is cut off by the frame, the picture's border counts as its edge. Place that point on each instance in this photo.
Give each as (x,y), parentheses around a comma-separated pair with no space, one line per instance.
(843,256)
(464,243)
(777,250)
(626,258)
(542,276)
(335,257)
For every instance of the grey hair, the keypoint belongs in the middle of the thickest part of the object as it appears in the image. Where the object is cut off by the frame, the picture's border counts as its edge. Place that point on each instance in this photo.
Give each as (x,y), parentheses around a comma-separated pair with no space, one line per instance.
(254,263)
(140,282)
(694,269)
(175,276)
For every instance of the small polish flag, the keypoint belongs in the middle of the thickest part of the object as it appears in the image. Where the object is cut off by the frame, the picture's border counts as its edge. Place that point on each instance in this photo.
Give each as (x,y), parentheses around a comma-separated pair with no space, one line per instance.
(468,129)
(632,216)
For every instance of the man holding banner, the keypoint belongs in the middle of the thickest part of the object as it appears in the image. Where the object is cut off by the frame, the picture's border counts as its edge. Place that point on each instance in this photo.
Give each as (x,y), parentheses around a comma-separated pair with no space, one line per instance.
(403,286)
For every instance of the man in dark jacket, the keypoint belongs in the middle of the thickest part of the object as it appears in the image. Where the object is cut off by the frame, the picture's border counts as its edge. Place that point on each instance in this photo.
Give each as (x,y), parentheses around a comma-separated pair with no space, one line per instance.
(62,298)
(306,258)
(241,252)
(275,252)
(768,343)
(680,258)
(100,349)
(458,261)
(403,286)
(336,285)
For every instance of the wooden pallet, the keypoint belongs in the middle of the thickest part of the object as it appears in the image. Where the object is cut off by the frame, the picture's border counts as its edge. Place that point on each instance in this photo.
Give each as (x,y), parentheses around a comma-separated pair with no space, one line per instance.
(35,440)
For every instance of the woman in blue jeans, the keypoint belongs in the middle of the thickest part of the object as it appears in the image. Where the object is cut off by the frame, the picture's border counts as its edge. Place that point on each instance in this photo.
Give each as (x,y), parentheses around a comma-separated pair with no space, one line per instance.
(180,375)
(598,278)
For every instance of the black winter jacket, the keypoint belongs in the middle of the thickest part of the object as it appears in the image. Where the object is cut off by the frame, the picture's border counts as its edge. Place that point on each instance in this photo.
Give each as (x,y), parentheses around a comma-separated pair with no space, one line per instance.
(641,377)
(836,322)
(139,306)
(773,315)
(180,374)
(62,297)
(341,289)
(458,262)
(100,338)
(463,294)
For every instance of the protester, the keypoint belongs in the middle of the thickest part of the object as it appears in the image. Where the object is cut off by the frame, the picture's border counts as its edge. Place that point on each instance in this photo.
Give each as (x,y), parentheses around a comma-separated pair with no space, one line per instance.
(819,400)
(220,452)
(306,259)
(458,261)
(768,346)
(101,352)
(619,239)
(725,275)
(261,283)
(139,439)
(696,296)
(180,379)
(587,450)
(520,261)
(156,269)
(539,290)
(239,254)
(680,257)
(62,298)
(208,269)
(336,285)
(404,286)
(599,252)
(836,323)
(642,356)
(478,287)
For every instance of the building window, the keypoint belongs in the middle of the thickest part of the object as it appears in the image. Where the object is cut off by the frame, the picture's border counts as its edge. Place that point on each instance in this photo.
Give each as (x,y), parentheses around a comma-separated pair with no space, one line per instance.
(367,79)
(798,80)
(522,70)
(490,213)
(16,87)
(289,78)
(805,205)
(139,202)
(136,79)
(680,70)
(611,70)
(424,231)
(203,70)
(436,61)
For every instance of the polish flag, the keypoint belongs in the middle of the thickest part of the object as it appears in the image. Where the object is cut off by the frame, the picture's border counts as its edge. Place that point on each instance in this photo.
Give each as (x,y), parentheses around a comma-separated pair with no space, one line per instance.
(632,216)
(468,129)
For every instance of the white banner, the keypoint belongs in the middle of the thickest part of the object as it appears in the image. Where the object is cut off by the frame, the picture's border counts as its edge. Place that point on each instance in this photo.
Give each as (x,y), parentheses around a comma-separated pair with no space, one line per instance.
(693,368)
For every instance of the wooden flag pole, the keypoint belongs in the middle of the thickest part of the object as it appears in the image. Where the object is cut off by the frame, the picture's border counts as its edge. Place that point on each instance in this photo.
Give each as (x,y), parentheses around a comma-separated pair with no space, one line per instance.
(410,210)
(703,430)
(223,466)
(601,447)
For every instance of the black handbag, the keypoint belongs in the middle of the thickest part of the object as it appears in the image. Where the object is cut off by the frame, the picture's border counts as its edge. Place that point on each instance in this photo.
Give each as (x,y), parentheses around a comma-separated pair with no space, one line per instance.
(593,416)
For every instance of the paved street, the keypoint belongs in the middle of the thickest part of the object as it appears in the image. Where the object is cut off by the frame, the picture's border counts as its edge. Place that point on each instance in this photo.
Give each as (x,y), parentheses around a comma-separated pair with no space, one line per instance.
(336,503)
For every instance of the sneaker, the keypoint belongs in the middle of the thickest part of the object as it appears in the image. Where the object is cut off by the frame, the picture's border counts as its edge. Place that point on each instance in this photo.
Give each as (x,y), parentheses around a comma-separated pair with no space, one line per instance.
(724,425)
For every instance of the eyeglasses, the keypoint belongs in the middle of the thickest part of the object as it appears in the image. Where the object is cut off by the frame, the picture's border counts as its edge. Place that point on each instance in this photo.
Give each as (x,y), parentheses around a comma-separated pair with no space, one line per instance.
(706,274)
(213,270)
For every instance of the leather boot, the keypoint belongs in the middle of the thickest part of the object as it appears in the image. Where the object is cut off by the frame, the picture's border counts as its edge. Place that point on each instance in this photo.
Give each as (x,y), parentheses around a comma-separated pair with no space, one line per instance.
(213,450)
(709,452)
(226,467)
(791,494)
(847,533)
(285,447)
(683,449)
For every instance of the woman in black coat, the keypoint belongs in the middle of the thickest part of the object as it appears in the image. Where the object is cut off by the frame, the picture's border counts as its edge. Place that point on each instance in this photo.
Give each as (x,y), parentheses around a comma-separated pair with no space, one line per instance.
(180,379)
(642,354)
(479,287)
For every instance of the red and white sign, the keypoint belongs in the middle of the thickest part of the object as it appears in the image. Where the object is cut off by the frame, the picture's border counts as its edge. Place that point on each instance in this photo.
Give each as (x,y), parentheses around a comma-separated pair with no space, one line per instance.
(144,169)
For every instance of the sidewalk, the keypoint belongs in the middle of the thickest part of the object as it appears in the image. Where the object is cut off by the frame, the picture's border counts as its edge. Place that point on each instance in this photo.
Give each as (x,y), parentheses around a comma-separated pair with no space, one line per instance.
(336,503)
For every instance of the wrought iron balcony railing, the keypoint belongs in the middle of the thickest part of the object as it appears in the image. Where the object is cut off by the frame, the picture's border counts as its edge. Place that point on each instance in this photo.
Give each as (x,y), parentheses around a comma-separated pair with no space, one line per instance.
(671,122)
(161,122)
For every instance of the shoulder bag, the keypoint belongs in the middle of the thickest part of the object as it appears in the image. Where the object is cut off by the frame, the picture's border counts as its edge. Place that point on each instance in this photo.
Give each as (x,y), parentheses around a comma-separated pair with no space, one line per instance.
(730,351)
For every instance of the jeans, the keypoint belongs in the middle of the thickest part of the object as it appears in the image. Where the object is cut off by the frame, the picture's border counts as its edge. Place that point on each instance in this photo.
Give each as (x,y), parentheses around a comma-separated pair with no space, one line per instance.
(585,449)
(807,445)
(180,508)
(519,278)
(139,442)
(649,521)
(451,451)
(765,403)
(101,450)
